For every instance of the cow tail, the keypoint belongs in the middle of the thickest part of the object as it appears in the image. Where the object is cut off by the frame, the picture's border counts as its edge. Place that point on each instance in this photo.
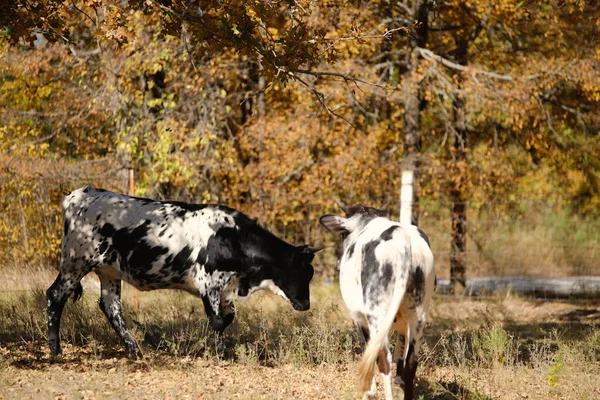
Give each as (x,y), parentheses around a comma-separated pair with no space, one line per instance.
(366,367)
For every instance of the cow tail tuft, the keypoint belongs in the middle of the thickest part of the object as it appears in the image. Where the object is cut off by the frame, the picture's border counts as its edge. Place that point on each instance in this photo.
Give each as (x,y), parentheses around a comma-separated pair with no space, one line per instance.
(366,366)
(78,292)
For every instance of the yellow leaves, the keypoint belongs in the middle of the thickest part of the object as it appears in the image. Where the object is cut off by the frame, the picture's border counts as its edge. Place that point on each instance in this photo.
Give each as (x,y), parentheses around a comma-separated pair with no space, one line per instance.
(154,102)
(156,67)
(207,137)
(252,13)
(31,189)
(206,197)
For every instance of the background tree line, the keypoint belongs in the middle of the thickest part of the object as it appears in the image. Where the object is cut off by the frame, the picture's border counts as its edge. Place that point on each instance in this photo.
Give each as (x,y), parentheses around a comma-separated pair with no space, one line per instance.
(277,108)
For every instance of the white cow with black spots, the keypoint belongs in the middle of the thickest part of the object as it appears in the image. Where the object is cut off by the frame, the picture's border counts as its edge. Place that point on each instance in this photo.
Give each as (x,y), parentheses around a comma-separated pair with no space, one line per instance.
(387,280)
(210,251)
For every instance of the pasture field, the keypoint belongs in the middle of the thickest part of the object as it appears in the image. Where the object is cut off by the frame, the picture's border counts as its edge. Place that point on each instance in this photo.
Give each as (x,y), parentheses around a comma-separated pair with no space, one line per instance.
(499,347)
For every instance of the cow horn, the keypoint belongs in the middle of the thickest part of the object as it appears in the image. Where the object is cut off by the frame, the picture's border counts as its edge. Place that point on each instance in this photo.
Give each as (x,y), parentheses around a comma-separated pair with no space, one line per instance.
(341,205)
(318,248)
(308,249)
(385,206)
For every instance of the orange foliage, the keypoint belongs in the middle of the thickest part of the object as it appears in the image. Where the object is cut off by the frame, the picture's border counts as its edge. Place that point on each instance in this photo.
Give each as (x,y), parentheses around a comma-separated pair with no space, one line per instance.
(221,104)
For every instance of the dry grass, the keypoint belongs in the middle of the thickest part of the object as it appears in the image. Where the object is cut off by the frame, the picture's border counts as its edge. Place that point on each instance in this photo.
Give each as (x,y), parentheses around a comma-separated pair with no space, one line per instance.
(533,240)
(497,348)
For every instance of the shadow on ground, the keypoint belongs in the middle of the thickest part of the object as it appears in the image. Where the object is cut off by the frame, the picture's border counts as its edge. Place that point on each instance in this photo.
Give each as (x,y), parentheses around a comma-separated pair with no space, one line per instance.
(435,390)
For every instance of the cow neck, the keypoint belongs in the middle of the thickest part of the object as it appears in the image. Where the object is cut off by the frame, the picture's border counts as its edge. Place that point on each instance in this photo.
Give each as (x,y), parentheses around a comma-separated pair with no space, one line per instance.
(265,249)
(363,221)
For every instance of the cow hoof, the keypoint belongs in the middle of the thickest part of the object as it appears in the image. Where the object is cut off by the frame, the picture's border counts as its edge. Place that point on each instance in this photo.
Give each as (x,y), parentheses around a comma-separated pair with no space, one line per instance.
(54,344)
(56,357)
(372,392)
(135,354)
(219,324)
(55,351)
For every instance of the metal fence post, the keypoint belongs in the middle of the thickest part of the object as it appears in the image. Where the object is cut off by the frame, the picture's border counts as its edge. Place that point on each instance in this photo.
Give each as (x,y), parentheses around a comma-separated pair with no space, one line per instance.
(136,302)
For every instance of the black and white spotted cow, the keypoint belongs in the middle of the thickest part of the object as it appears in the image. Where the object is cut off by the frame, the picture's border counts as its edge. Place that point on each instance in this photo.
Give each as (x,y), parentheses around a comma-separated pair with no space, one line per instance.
(210,251)
(387,280)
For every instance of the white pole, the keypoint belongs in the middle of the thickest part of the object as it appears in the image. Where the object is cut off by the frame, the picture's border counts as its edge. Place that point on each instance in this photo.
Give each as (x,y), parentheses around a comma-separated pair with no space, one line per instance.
(406,197)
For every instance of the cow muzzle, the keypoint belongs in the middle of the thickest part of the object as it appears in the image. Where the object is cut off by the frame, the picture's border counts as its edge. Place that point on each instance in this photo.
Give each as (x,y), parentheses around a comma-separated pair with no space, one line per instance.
(301,306)
(219,324)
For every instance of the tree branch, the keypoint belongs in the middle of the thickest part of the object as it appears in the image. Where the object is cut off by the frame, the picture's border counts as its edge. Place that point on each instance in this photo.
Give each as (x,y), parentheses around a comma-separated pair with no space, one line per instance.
(346,78)
(385,35)
(320,97)
(548,120)
(431,56)
(271,56)
(36,141)
(83,12)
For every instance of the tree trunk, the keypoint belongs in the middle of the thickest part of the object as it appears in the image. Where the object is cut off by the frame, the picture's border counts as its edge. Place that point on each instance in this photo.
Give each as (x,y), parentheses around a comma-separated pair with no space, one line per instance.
(414,103)
(458,261)
(458,246)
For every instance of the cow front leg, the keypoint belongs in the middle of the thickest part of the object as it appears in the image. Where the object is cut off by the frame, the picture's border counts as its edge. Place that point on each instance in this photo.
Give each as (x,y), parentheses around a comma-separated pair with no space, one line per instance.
(57,295)
(110,304)
(219,317)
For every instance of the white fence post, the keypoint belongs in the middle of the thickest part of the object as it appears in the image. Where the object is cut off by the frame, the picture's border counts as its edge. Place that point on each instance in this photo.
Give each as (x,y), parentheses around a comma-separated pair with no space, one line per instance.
(406,197)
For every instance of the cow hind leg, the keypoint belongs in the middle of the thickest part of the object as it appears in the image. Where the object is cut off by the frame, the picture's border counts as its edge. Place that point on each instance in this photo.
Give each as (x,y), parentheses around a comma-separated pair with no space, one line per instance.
(399,351)
(384,363)
(110,304)
(399,359)
(57,295)
(409,372)
(411,360)
(364,333)
(372,392)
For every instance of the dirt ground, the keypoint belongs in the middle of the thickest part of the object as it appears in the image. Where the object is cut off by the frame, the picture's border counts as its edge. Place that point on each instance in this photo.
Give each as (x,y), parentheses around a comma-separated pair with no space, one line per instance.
(26,371)
(86,377)
(181,379)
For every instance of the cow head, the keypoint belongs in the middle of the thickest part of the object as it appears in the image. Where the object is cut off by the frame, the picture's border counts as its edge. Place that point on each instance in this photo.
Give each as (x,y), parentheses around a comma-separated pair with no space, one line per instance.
(357,217)
(290,280)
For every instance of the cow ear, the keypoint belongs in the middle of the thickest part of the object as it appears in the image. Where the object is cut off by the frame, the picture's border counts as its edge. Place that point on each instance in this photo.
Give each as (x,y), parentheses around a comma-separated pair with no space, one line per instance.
(246,281)
(335,224)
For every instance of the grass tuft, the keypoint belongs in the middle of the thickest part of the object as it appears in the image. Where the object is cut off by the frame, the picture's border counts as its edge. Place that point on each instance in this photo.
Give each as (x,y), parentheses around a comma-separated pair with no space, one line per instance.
(472,349)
